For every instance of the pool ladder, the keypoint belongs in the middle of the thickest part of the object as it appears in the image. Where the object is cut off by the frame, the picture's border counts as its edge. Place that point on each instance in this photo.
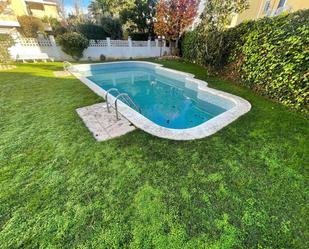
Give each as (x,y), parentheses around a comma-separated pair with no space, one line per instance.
(127,99)
(66,65)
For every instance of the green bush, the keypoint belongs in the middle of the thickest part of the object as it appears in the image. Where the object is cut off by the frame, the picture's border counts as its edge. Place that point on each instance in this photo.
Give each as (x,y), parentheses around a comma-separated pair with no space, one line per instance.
(30,26)
(73,44)
(270,56)
(92,31)
(102,57)
(6,41)
(139,36)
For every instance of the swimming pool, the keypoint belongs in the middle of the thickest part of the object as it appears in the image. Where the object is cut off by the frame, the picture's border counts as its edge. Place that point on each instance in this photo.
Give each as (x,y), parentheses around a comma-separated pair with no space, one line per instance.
(167,103)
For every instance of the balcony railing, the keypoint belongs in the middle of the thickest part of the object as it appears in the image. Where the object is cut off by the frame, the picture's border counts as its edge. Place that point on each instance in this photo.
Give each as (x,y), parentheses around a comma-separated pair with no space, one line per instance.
(8,21)
(278,11)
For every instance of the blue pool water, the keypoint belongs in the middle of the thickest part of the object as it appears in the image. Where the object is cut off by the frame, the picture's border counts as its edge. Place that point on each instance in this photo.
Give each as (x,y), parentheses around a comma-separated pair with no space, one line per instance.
(163,100)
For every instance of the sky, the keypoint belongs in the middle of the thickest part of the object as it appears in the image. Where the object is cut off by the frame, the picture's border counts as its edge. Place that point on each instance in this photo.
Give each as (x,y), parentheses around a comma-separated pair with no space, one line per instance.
(68,5)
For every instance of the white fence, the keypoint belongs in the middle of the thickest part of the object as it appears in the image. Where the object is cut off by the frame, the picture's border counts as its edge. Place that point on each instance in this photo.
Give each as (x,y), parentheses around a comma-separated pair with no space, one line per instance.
(114,49)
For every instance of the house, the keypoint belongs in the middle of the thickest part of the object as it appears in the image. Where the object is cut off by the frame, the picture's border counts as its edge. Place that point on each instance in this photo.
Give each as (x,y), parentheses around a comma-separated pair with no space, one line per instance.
(261,8)
(10,9)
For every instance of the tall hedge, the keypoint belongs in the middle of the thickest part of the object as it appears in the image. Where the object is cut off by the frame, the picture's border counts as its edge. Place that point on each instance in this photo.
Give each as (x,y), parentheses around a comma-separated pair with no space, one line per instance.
(191,49)
(270,55)
(112,27)
(139,36)
(92,31)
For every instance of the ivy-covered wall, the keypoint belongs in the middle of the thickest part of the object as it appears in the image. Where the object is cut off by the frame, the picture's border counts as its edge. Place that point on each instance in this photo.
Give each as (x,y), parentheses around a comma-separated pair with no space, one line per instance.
(271,56)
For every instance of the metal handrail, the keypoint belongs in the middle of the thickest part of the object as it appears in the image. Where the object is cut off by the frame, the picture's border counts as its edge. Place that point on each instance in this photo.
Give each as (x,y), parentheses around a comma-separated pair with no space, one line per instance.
(66,65)
(127,95)
(106,94)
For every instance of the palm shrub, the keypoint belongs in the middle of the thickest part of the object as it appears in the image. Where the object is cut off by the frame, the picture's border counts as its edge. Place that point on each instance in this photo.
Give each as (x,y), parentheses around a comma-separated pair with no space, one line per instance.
(73,43)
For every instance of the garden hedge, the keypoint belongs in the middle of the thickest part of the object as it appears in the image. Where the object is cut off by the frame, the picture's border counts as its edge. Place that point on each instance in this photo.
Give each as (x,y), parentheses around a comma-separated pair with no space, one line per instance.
(92,31)
(139,36)
(112,27)
(270,55)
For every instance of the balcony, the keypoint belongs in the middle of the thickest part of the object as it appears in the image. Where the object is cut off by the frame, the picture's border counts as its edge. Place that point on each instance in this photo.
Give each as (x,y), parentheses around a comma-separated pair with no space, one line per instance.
(278,11)
(7,16)
(34,1)
(8,21)
(50,2)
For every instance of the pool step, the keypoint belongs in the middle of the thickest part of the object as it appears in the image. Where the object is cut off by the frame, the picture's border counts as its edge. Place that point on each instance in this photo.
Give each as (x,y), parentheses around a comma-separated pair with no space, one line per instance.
(103,124)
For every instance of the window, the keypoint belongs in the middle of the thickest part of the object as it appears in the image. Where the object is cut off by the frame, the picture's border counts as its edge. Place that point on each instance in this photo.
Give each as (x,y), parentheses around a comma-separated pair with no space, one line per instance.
(281,3)
(267,5)
(29,10)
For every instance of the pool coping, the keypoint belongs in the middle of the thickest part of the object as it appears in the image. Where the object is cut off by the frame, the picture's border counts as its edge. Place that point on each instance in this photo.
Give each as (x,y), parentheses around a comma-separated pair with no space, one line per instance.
(205,129)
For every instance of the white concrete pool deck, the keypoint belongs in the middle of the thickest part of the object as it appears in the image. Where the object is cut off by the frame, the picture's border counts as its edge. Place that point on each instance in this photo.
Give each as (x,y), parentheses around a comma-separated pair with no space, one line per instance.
(60,74)
(102,124)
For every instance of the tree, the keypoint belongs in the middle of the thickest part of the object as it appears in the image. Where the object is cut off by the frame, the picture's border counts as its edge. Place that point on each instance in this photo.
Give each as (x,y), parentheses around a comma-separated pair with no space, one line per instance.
(140,16)
(92,31)
(218,13)
(99,8)
(72,21)
(216,18)
(112,27)
(58,27)
(5,7)
(77,11)
(173,17)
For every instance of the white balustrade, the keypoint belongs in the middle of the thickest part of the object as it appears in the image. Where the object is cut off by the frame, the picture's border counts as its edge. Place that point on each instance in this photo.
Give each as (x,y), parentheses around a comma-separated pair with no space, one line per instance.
(109,48)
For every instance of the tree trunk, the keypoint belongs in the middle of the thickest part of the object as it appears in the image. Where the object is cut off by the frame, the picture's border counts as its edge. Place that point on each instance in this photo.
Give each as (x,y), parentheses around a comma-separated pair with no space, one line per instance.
(176,43)
(176,52)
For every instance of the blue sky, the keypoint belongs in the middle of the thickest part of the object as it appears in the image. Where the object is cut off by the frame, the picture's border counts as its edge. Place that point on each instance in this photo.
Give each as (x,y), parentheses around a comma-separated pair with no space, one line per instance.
(68,4)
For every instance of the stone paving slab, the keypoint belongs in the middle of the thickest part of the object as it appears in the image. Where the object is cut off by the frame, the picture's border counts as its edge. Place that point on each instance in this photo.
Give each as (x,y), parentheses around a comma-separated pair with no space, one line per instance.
(102,124)
(61,73)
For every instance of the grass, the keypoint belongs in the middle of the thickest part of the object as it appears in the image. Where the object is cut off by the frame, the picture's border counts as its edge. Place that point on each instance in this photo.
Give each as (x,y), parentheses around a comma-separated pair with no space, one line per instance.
(244,187)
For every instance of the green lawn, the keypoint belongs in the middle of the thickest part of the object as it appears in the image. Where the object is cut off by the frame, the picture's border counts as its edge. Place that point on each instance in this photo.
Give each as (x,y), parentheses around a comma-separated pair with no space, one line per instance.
(244,187)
